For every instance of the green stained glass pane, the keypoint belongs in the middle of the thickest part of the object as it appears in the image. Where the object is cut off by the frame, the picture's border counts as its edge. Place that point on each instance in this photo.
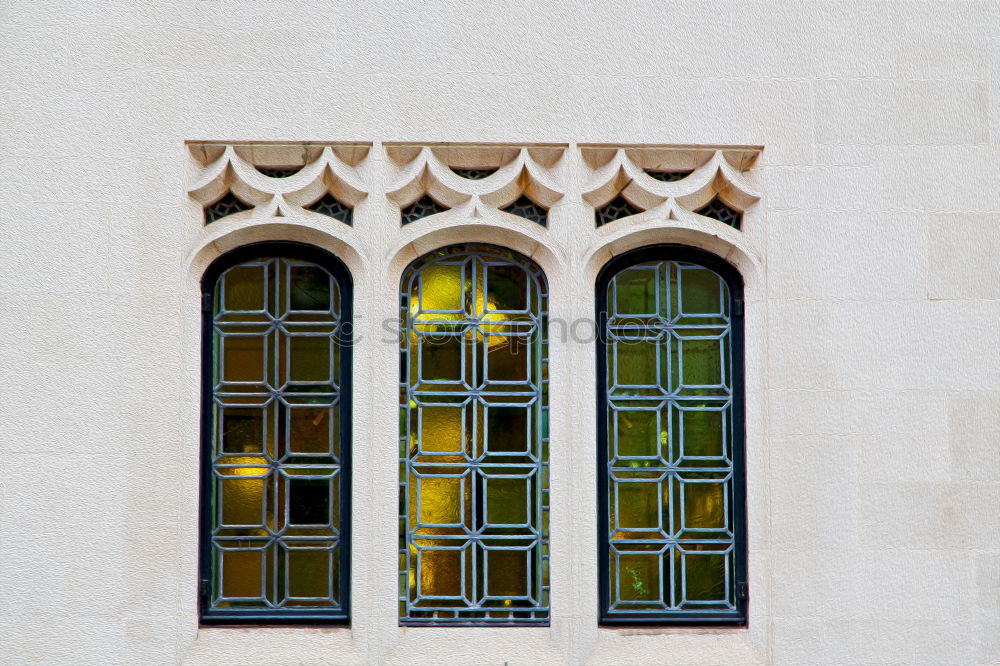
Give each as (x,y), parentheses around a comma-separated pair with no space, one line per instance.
(705,577)
(507,501)
(637,362)
(473,492)
(506,288)
(639,577)
(638,433)
(703,432)
(702,361)
(704,505)
(309,358)
(309,572)
(638,505)
(701,291)
(669,464)
(635,291)
(309,289)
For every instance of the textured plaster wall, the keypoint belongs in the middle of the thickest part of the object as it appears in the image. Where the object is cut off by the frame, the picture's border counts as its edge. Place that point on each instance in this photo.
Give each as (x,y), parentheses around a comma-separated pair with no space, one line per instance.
(873,318)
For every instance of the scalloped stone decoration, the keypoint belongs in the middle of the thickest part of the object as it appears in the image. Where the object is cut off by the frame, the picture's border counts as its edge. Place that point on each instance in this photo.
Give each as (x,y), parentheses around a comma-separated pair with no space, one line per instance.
(525,181)
(670,182)
(278,180)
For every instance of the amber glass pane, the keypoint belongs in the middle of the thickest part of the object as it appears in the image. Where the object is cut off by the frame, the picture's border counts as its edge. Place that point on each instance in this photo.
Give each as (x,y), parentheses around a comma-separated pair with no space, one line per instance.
(276,480)
(700,292)
(508,573)
(243,358)
(242,571)
(245,288)
(637,433)
(473,466)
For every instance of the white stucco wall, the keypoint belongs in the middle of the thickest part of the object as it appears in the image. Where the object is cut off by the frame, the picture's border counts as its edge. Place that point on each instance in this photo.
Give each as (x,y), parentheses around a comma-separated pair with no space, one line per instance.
(873,316)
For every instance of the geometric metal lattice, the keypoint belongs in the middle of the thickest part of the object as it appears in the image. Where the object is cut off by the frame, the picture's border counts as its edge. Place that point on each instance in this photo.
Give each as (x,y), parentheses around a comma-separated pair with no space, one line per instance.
(331,207)
(669,380)
(721,212)
(474,174)
(615,209)
(275,512)
(227,205)
(528,209)
(668,176)
(473,530)
(422,207)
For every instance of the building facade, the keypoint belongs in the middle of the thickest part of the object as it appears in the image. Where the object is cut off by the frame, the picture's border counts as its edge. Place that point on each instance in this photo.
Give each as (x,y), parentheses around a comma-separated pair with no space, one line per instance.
(517,333)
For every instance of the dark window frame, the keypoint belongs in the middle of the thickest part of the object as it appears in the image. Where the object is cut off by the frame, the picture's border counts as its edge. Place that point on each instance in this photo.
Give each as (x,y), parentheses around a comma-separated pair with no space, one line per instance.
(734,281)
(337,268)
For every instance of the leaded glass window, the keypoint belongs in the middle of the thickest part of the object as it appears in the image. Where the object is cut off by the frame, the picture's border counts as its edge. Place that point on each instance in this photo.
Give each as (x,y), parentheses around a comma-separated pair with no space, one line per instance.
(276,451)
(473,529)
(670,439)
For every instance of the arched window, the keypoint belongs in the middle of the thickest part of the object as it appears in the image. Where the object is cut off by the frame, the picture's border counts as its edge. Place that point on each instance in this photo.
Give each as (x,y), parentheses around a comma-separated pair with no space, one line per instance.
(670,439)
(473,531)
(276,436)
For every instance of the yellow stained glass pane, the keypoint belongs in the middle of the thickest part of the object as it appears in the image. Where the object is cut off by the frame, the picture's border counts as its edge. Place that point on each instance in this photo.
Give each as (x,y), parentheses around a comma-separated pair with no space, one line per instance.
(310,429)
(242,499)
(440,573)
(440,501)
(441,357)
(441,429)
(441,287)
(508,361)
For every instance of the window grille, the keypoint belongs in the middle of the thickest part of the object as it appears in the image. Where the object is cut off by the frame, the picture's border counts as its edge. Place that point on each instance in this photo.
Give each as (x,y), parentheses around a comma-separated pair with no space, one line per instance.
(615,209)
(276,469)
(670,439)
(422,207)
(473,531)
